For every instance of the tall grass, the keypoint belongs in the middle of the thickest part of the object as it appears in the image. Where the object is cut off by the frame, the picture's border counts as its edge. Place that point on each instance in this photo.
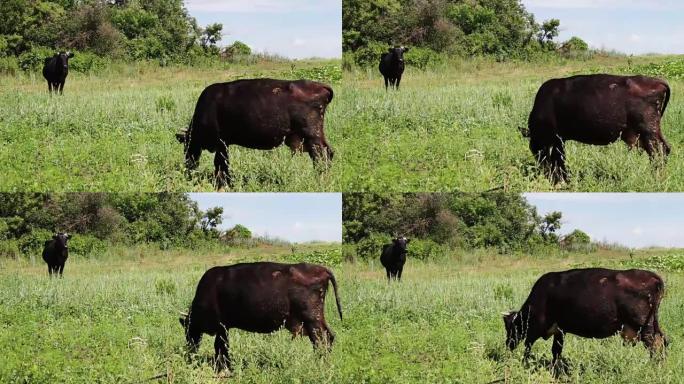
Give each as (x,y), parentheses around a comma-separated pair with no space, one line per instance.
(115,132)
(454,127)
(112,321)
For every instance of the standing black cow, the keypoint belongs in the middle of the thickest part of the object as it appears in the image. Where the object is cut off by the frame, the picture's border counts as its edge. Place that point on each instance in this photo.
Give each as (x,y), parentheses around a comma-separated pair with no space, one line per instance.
(259,114)
(594,303)
(56,252)
(393,257)
(596,109)
(56,69)
(392,66)
(260,297)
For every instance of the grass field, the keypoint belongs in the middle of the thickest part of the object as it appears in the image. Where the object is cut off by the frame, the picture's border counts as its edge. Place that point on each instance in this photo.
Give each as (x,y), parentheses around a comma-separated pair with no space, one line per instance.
(116,132)
(116,321)
(455,128)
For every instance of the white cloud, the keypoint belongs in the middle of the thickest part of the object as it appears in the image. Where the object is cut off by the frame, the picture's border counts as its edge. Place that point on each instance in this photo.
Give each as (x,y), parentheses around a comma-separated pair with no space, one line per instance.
(637,231)
(298,42)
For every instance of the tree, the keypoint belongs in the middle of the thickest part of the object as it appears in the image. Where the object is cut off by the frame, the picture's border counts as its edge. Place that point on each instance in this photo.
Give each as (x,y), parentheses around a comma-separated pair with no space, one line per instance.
(238,48)
(238,232)
(212,218)
(210,36)
(547,32)
(575,44)
(550,224)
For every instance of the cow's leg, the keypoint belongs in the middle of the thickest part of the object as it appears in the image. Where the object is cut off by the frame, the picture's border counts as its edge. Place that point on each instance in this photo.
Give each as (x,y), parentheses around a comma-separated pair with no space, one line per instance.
(221,350)
(389,275)
(61,269)
(556,350)
(61,88)
(49,270)
(401,269)
(398,80)
(221,172)
(559,172)
(49,87)
(529,342)
(330,334)
(316,148)
(386,82)
(295,143)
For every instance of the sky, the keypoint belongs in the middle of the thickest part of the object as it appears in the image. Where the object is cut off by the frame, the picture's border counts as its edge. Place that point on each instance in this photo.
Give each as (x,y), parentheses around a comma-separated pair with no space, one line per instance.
(628,26)
(296,217)
(634,220)
(295,29)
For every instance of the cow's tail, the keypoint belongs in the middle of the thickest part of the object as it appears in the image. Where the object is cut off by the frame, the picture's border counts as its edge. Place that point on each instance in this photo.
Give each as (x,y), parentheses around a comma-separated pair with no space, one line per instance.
(667,98)
(337,296)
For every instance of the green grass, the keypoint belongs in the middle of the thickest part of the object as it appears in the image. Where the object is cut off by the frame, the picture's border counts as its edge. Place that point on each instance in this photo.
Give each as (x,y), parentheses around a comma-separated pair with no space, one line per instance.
(455,128)
(116,132)
(116,321)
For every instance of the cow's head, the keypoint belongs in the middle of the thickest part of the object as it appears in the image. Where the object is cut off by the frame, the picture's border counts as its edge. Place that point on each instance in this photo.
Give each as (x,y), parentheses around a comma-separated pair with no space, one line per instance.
(183,137)
(61,239)
(63,59)
(400,243)
(514,328)
(397,53)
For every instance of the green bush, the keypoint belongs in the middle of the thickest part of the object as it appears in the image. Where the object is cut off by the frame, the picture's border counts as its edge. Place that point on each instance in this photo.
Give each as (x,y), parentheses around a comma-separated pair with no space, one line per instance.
(422,58)
(672,261)
(329,74)
(426,249)
(9,249)
(86,246)
(238,48)
(371,246)
(87,62)
(370,54)
(9,66)
(329,257)
(33,242)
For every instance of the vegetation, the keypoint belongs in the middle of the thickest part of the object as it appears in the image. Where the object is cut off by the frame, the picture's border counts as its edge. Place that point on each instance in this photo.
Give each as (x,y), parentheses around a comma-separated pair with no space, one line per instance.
(98,221)
(503,29)
(127,30)
(454,127)
(116,320)
(115,131)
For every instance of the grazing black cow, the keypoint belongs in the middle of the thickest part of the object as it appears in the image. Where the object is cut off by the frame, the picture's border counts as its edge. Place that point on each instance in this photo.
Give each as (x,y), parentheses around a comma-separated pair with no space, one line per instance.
(392,66)
(56,252)
(594,303)
(56,69)
(260,297)
(393,257)
(596,109)
(259,114)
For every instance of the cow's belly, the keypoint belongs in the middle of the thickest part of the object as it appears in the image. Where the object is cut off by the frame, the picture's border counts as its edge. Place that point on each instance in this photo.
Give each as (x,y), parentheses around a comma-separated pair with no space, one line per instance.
(594,132)
(263,316)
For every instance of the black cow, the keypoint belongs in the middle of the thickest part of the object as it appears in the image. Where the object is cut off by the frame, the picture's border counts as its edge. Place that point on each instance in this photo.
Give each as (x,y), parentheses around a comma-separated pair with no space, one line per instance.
(56,252)
(594,303)
(56,69)
(392,66)
(260,297)
(596,109)
(393,257)
(259,114)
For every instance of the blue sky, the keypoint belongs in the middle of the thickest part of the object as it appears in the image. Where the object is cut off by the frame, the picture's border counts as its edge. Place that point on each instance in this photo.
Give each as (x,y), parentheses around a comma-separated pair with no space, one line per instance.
(631,219)
(296,217)
(629,26)
(291,28)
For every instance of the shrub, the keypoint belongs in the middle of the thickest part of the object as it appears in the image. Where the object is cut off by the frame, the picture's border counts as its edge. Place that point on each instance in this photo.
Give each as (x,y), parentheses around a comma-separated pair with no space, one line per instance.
(33,242)
(371,247)
(422,58)
(9,66)
(238,48)
(87,62)
(426,249)
(9,249)
(330,257)
(86,246)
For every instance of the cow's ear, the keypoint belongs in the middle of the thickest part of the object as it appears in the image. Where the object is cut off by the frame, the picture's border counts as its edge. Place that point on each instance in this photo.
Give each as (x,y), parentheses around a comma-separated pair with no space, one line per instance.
(390,49)
(408,240)
(68,236)
(55,236)
(70,54)
(180,137)
(406,49)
